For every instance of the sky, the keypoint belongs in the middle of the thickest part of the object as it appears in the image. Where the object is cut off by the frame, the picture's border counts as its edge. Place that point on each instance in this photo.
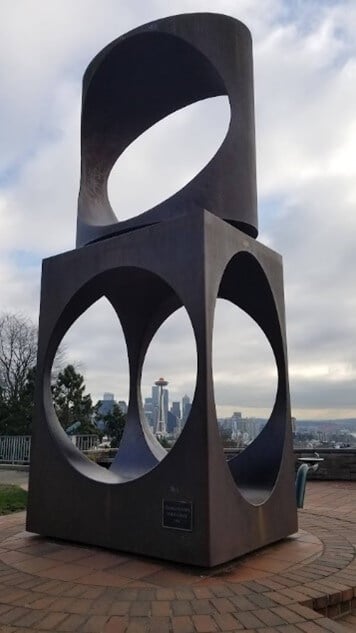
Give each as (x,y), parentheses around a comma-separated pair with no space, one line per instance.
(305,96)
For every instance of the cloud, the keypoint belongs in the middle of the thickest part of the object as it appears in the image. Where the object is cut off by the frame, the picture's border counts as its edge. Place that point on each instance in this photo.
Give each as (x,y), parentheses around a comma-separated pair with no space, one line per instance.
(305,71)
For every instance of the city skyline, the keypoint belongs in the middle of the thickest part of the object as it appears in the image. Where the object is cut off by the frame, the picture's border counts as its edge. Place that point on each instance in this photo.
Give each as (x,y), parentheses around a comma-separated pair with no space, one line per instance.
(239,430)
(305,90)
(164,416)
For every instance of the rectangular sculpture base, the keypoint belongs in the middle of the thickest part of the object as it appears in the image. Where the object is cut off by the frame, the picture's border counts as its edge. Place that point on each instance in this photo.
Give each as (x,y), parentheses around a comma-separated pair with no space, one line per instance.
(189,505)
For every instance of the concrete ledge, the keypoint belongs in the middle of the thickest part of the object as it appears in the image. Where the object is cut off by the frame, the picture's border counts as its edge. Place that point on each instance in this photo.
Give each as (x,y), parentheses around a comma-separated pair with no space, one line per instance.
(25,467)
(339,464)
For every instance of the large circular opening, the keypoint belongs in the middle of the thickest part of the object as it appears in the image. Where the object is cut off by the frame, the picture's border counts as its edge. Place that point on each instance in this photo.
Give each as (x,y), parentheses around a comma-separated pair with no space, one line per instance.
(250,376)
(245,377)
(157,164)
(169,378)
(90,383)
(155,328)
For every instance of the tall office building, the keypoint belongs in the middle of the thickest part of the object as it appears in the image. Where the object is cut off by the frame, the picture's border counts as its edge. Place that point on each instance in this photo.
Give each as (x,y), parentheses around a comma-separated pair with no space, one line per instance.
(247,428)
(175,409)
(236,425)
(148,411)
(105,406)
(293,420)
(172,423)
(186,406)
(165,405)
(123,406)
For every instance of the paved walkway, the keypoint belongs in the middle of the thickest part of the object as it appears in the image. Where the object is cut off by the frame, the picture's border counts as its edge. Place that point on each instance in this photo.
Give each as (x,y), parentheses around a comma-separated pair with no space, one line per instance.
(294,586)
(13,476)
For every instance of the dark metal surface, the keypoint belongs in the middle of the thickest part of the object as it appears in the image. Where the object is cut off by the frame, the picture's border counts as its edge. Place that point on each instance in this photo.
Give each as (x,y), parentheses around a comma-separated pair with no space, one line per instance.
(184,256)
(238,506)
(142,77)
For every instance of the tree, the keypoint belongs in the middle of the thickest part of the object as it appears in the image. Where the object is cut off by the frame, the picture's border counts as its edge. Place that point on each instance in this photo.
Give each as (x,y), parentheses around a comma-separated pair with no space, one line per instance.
(18,348)
(165,443)
(16,415)
(3,411)
(114,422)
(70,401)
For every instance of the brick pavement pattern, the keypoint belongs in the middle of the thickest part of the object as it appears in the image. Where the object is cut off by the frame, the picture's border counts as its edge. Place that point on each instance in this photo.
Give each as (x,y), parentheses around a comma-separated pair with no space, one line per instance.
(297,585)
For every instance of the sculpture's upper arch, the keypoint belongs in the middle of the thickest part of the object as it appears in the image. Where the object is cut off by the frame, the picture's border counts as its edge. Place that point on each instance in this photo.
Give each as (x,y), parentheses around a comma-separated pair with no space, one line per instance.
(146,75)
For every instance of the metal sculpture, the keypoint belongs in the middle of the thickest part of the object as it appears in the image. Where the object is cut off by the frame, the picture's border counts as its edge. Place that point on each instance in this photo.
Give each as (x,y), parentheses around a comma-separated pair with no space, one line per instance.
(189,505)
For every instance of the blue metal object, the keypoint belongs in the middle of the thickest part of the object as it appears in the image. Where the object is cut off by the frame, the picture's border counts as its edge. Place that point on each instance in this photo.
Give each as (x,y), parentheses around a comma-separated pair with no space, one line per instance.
(70,430)
(307,464)
(300,483)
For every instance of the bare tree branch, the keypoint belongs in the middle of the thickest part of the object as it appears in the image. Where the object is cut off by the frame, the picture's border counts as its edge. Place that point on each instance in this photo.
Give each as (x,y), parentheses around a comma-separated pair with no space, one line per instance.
(18,349)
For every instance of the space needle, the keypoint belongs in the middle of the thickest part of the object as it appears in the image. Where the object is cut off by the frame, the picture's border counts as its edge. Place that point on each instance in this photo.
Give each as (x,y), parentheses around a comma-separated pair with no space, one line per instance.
(161,430)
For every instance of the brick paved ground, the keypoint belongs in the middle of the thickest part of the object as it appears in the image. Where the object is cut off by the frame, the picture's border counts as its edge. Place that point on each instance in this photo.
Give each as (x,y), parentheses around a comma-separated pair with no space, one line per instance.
(295,586)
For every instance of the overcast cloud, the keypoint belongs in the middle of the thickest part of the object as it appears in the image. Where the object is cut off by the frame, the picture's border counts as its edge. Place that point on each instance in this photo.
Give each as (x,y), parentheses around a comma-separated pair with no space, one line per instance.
(305,93)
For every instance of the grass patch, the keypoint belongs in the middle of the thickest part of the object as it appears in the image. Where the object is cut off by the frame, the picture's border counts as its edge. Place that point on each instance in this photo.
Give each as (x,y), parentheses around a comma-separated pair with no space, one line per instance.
(12,499)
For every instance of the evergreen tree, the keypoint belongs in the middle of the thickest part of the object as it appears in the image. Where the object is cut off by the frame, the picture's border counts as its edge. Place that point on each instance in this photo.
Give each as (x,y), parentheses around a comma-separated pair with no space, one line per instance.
(114,422)
(16,412)
(165,443)
(71,403)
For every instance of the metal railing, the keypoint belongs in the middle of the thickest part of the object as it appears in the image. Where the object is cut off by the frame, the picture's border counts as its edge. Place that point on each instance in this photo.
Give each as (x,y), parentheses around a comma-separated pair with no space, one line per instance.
(85,442)
(15,449)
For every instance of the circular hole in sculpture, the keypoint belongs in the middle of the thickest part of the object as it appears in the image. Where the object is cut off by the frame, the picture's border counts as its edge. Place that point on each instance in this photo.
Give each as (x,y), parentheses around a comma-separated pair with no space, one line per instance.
(90,383)
(169,378)
(167,156)
(245,377)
